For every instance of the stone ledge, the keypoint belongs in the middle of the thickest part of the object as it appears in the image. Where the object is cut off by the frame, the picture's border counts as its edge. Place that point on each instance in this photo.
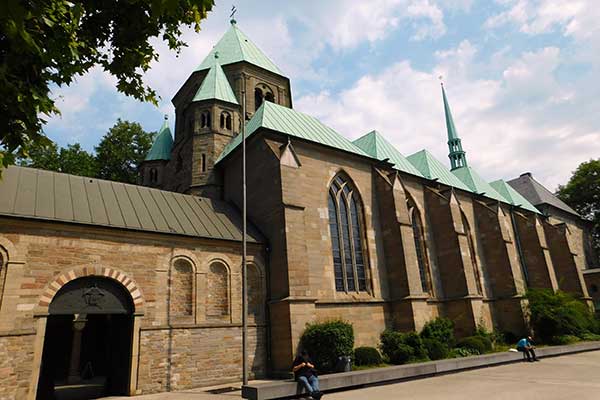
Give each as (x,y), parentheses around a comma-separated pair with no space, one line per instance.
(347,380)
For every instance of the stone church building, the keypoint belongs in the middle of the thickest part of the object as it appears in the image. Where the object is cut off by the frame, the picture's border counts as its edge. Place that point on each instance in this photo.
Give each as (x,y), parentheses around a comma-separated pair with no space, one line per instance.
(117,289)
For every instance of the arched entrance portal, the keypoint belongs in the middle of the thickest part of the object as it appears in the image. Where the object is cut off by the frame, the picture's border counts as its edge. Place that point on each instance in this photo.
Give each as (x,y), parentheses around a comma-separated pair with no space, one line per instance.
(87,346)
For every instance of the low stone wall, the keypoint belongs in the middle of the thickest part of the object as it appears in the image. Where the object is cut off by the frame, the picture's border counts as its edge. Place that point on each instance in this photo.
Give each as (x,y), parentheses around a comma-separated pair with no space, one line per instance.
(16,358)
(347,380)
(184,358)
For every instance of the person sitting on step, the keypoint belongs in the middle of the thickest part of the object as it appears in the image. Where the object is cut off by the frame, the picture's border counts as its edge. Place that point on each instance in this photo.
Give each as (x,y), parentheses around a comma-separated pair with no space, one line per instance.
(526,346)
(305,373)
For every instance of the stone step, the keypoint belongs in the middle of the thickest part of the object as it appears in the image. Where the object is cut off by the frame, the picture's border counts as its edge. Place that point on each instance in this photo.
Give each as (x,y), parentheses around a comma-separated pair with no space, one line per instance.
(347,380)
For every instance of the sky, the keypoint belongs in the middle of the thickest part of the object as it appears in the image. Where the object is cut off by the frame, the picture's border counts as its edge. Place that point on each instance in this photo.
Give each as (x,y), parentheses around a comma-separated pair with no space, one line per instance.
(520,76)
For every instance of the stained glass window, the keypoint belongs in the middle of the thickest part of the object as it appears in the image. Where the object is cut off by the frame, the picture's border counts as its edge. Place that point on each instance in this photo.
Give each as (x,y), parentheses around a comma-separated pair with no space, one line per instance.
(347,234)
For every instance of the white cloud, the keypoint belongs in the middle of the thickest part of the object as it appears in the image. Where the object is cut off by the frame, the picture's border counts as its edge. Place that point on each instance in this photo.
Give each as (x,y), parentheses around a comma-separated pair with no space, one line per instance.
(509,124)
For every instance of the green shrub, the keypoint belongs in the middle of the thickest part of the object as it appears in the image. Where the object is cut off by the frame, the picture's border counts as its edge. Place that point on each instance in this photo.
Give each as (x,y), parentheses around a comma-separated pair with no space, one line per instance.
(391,341)
(436,350)
(462,352)
(402,354)
(479,343)
(441,329)
(326,341)
(564,339)
(590,336)
(559,313)
(367,356)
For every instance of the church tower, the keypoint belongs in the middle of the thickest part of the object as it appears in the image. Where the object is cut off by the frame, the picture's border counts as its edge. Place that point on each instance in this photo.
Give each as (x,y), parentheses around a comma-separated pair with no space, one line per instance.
(456,154)
(208,109)
(152,169)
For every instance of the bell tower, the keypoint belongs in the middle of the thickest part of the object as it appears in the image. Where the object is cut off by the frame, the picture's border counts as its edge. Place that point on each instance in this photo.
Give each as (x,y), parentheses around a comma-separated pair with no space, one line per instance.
(209,113)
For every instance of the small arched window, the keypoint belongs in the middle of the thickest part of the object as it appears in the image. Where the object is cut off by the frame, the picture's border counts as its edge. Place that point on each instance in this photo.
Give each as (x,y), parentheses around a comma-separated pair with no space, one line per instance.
(256,297)
(225,120)
(258,98)
(347,236)
(420,247)
(181,285)
(217,302)
(205,119)
(153,175)
(472,256)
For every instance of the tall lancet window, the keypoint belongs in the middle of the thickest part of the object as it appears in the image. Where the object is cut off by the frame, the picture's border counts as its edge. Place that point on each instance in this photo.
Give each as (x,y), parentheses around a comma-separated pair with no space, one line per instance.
(421,250)
(347,237)
(472,257)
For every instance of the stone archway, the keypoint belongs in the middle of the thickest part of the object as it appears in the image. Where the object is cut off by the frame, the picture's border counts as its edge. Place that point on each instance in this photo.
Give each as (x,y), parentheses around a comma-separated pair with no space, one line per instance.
(88,340)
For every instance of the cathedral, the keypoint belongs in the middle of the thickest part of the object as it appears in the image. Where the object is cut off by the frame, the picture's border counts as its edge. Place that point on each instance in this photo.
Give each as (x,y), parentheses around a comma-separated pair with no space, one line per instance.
(109,288)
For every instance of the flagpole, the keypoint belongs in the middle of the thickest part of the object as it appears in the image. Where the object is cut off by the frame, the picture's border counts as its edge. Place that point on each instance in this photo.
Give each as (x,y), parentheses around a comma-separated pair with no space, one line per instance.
(244,266)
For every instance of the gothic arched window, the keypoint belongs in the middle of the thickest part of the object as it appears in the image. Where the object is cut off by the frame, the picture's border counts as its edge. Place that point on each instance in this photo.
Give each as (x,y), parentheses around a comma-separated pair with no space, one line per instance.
(421,250)
(347,236)
(472,257)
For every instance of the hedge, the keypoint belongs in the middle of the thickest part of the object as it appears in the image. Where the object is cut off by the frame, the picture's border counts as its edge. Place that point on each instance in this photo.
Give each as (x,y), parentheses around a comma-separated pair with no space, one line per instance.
(367,356)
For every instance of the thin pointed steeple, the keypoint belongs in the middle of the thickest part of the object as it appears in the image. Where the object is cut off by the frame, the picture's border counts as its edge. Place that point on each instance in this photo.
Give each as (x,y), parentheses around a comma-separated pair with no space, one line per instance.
(456,154)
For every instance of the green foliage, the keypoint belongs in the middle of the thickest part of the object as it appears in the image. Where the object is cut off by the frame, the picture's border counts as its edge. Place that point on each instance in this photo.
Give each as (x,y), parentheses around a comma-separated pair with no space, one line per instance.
(480,344)
(590,336)
(441,329)
(326,341)
(436,350)
(559,313)
(121,150)
(395,345)
(367,356)
(564,339)
(582,193)
(402,354)
(50,42)
(462,352)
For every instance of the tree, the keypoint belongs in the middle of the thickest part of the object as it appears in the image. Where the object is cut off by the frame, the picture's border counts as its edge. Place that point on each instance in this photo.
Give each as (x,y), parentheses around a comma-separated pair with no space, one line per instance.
(582,193)
(50,42)
(121,151)
(71,160)
(74,160)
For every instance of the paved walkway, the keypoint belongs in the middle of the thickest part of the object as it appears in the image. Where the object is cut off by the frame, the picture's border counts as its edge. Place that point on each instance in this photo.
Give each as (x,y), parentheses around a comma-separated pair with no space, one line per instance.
(559,378)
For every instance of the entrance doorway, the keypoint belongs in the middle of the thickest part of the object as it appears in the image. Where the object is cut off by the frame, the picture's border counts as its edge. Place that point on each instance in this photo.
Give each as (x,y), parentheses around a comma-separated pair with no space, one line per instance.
(87,346)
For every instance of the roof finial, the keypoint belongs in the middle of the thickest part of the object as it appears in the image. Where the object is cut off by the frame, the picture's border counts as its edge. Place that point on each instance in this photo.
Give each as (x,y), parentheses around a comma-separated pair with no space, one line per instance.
(233,11)
(216,54)
(441,78)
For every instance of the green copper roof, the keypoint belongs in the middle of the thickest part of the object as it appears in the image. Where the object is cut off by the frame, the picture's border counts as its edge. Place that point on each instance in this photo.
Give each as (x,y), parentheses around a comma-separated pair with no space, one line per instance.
(512,196)
(293,123)
(374,144)
(215,86)
(433,169)
(476,183)
(163,144)
(234,47)
(449,120)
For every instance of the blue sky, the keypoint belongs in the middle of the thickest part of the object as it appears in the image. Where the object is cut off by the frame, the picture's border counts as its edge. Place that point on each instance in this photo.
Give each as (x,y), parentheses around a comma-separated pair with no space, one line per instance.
(521,77)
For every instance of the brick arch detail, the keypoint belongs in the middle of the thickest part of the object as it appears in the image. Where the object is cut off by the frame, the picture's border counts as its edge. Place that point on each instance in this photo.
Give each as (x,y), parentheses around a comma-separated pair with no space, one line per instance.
(68,275)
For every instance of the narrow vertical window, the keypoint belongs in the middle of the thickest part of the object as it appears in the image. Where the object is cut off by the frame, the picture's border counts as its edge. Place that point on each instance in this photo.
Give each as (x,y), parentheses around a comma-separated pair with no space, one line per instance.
(347,235)
(203,163)
(420,249)
(472,257)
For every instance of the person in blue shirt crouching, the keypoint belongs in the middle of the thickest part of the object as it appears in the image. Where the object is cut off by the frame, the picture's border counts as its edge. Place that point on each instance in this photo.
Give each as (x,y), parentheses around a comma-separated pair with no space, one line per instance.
(526,346)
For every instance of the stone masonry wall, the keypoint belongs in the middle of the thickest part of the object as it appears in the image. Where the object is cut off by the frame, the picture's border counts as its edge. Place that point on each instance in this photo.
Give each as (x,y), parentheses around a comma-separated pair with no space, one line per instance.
(16,356)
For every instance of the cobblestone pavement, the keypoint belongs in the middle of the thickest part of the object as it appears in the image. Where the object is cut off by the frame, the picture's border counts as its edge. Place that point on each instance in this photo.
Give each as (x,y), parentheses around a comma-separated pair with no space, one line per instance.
(572,377)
